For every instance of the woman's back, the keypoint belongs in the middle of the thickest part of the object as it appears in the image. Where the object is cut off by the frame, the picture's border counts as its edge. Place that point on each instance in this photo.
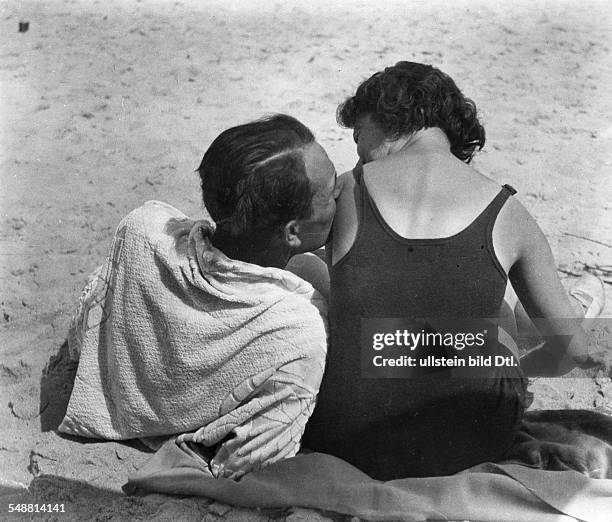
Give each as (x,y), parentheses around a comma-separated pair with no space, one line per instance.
(407,259)
(392,424)
(423,192)
(427,196)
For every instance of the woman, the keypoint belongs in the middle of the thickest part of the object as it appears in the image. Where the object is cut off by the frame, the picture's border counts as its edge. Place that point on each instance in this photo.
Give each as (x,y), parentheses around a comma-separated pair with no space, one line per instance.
(420,234)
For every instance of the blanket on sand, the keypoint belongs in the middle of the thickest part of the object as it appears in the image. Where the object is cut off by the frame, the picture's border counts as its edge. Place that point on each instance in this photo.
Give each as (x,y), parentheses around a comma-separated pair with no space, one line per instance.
(172,336)
(549,476)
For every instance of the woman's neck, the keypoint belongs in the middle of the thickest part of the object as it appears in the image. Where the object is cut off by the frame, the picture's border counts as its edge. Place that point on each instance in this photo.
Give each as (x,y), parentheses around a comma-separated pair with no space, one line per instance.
(432,139)
(426,150)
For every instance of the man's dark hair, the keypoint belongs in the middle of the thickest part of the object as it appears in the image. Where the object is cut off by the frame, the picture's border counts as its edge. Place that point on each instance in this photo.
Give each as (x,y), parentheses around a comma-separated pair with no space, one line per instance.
(254,181)
(410,96)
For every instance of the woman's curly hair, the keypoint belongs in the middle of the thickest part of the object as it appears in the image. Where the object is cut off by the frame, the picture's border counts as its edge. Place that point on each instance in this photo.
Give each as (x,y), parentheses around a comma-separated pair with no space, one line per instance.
(411,96)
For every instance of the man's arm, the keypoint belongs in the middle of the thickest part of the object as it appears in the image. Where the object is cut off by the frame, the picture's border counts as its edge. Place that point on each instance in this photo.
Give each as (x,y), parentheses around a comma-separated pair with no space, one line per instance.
(268,424)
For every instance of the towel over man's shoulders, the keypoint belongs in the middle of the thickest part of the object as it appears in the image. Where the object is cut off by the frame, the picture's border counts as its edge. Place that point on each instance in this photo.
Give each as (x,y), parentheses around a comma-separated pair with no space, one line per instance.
(170,326)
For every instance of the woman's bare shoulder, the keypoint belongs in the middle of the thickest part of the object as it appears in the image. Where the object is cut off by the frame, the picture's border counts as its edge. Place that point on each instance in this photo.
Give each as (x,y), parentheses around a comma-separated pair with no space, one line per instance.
(345,226)
(516,234)
(480,183)
(514,215)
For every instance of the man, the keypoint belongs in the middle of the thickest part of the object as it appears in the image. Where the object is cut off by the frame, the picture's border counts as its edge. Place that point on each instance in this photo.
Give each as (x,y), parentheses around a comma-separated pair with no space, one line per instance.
(194,327)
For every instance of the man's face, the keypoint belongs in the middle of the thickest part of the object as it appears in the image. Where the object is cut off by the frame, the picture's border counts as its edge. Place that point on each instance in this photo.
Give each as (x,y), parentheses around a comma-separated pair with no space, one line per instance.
(314,230)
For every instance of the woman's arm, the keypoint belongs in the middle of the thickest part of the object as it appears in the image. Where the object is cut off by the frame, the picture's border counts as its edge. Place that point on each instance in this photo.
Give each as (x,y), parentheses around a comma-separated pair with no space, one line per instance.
(310,267)
(536,282)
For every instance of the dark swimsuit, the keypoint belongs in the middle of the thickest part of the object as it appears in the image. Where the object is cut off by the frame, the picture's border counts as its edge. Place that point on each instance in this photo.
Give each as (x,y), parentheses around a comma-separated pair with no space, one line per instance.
(426,426)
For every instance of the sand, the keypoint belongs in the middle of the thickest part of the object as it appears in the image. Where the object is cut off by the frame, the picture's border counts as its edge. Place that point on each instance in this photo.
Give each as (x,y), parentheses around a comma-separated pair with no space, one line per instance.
(107,104)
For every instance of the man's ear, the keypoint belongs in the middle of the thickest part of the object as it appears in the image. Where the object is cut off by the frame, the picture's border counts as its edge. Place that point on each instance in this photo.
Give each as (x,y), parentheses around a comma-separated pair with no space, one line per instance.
(291,234)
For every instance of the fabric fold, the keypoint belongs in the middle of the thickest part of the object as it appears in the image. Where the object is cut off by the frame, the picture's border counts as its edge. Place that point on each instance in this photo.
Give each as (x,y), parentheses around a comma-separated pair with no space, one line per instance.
(507,491)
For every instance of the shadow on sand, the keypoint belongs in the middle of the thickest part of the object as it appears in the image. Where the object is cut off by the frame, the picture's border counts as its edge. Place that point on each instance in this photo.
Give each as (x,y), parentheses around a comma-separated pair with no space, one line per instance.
(56,385)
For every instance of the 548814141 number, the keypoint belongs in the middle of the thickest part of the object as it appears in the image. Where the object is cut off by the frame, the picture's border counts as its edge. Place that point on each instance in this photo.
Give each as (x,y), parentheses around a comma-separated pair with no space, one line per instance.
(36,508)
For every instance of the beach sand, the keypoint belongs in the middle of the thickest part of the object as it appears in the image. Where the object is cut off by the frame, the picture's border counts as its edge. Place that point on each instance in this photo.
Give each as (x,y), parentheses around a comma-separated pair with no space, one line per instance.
(107,104)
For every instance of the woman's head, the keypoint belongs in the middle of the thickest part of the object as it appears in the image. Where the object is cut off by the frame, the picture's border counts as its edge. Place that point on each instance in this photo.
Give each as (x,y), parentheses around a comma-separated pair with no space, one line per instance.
(258,177)
(408,97)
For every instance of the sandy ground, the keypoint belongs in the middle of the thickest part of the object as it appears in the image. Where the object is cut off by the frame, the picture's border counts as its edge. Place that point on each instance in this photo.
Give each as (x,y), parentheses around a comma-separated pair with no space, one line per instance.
(107,104)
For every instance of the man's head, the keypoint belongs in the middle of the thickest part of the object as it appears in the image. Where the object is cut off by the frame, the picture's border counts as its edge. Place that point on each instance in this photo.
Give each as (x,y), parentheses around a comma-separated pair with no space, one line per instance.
(270,187)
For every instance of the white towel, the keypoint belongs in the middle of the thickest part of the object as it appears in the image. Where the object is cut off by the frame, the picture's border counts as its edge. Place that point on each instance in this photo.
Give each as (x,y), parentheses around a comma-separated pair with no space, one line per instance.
(170,327)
